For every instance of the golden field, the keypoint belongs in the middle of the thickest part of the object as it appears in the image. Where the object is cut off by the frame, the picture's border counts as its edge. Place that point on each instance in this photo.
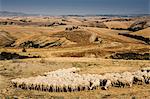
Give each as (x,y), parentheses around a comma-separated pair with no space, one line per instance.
(83,42)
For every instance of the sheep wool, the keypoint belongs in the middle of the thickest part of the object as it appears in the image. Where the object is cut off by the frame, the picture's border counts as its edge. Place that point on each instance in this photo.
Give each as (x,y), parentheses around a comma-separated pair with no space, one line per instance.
(68,80)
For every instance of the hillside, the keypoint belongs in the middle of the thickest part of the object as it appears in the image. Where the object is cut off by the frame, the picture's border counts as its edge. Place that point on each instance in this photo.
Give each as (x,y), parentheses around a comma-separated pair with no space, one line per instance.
(113,46)
(6,39)
(144,33)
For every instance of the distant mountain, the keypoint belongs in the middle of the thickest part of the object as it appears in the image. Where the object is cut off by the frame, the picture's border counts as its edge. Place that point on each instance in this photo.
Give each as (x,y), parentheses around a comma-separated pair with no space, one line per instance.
(7,13)
(121,15)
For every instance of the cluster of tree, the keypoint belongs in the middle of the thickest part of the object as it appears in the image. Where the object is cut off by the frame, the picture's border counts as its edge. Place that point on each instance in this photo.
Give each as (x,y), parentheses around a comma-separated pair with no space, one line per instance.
(139,25)
(131,56)
(7,23)
(51,24)
(146,40)
(9,56)
(24,20)
(32,44)
(72,28)
(118,28)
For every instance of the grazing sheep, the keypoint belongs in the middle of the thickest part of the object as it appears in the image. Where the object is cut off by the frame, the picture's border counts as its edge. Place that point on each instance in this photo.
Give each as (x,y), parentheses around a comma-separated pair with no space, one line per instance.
(138,78)
(112,77)
(126,79)
(107,85)
(147,69)
(147,77)
(68,80)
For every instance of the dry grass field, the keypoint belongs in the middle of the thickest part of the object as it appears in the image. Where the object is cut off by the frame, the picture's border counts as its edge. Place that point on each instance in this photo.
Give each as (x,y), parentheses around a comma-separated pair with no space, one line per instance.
(73,42)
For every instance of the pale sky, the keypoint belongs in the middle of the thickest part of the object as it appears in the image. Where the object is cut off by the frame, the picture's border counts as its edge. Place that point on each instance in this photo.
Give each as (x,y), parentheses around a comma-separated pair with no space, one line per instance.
(80,7)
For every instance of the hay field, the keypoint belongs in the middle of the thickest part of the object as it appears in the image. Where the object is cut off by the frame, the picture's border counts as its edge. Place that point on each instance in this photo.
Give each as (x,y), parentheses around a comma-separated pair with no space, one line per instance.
(69,42)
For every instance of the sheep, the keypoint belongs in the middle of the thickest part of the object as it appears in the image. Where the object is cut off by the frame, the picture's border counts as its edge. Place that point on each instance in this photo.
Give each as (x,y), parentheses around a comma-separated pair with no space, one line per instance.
(107,85)
(86,85)
(43,86)
(147,77)
(94,84)
(14,82)
(116,75)
(147,69)
(126,79)
(138,78)
(67,80)
(112,78)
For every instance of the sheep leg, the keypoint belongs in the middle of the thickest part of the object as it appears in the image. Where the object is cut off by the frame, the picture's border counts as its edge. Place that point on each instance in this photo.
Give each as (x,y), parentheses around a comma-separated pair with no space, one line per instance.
(107,85)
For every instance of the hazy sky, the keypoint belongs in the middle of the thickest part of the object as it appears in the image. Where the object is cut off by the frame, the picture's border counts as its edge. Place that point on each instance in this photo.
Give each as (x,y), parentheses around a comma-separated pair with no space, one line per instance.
(64,7)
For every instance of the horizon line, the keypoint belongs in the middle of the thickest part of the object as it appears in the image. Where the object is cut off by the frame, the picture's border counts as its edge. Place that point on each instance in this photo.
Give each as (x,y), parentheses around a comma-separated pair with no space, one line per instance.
(74,14)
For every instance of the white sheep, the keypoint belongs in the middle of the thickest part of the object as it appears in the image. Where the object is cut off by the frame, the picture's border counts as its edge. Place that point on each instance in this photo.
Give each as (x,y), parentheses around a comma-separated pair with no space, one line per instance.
(147,69)
(138,77)
(126,79)
(107,85)
(66,80)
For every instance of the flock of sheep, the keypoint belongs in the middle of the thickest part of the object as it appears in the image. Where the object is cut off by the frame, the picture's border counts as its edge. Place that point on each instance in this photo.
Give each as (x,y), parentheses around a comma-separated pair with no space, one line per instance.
(68,80)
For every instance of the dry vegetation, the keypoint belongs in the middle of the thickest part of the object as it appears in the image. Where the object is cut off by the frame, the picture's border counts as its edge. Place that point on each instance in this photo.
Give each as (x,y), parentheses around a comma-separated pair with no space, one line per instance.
(93,44)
